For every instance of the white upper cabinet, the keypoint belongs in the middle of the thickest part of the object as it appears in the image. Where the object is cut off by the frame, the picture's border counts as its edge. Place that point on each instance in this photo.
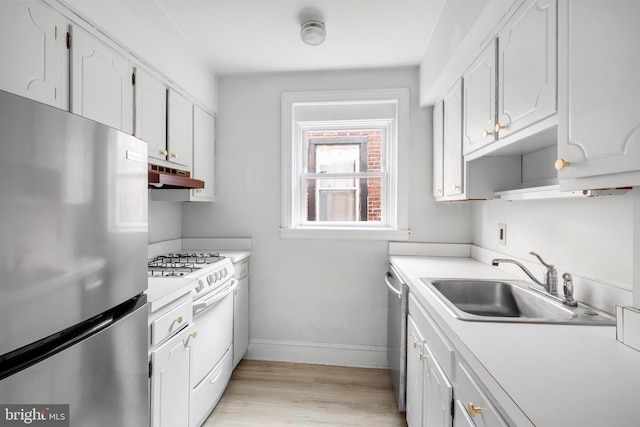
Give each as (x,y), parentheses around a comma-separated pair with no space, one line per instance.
(180,129)
(151,113)
(101,82)
(479,112)
(203,154)
(438,149)
(34,53)
(527,67)
(599,127)
(453,160)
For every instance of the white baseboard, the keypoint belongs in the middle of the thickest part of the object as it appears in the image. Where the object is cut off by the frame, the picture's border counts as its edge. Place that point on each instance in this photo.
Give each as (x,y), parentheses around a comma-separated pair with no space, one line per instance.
(318,353)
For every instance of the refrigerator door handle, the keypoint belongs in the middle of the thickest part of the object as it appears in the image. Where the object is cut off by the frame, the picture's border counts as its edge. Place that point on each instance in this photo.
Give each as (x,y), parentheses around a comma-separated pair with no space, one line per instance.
(29,355)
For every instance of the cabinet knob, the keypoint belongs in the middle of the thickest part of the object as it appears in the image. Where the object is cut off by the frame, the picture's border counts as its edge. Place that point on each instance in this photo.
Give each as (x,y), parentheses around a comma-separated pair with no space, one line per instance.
(456,187)
(164,152)
(194,334)
(438,190)
(423,356)
(179,319)
(561,164)
(473,410)
(486,133)
(174,155)
(417,344)
(499,127)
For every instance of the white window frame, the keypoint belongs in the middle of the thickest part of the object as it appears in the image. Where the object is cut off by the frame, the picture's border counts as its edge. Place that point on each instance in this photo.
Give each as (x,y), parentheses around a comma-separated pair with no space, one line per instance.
(386,108)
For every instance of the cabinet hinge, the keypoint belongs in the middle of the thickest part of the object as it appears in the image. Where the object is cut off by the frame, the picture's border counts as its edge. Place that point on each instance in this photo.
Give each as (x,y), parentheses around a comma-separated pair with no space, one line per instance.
(68,40)
(133,79)
(150,369)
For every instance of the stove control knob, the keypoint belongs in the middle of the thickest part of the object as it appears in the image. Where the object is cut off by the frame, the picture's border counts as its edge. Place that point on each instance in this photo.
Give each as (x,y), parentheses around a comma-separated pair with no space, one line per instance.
(225,273)
(210,278)
(200,285)
(218,275)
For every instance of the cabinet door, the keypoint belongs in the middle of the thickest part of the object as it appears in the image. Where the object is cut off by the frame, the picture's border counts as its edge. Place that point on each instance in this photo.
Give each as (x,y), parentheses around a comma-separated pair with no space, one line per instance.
(241,318)
(438,396)
(599,126)
(170,386)
(151,113)
(438,147)
(101,82)
(453,160)
(527,66)
(180,129)
(203,154)
(462,418)
(34,54)
(415,373)
(480,101)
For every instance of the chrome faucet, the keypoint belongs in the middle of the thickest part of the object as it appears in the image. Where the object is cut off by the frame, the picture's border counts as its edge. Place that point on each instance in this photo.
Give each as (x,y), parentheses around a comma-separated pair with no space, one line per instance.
(550,282)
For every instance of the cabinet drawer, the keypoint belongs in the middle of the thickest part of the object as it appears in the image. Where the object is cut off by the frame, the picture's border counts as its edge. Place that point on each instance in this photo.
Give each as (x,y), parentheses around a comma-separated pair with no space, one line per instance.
(439,346)
(171,322)
(242,269)
(468,393)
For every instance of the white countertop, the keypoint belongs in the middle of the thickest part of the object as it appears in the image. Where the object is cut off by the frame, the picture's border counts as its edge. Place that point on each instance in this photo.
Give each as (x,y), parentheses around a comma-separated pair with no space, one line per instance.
(540,375)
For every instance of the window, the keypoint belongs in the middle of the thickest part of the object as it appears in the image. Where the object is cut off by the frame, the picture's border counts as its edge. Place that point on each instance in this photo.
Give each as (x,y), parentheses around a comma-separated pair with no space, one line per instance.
(341,154)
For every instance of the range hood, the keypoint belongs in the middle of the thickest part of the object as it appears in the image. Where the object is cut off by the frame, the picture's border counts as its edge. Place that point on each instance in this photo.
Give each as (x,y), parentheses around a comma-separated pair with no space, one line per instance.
(167,177)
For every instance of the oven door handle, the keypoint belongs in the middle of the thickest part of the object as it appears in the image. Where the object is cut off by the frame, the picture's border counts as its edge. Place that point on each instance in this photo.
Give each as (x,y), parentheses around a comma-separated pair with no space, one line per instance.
(198,306)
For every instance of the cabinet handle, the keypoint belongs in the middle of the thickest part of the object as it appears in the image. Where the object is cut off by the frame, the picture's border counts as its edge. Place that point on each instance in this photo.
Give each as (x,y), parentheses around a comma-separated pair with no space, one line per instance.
(423,356)
(486,133)
(179,319)
(561,164)
(438,190)
(164,152)
(174,155)
(499,127)
(417,344)
(456,187)
(473,410)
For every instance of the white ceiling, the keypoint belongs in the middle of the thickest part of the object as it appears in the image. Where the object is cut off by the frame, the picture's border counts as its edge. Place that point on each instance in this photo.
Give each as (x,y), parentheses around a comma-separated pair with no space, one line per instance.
(255,36)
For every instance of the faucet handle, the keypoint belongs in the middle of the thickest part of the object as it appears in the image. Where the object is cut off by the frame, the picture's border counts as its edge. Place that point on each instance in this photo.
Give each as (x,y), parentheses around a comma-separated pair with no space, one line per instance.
(541,261)
(568,290)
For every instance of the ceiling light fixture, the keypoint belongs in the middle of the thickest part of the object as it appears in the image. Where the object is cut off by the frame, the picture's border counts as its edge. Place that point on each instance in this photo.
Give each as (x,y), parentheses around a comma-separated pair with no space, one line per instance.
(313,32)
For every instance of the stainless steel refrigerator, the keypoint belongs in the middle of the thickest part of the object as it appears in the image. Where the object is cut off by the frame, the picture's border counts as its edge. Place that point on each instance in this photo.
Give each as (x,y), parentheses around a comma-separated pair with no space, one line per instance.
(73,255)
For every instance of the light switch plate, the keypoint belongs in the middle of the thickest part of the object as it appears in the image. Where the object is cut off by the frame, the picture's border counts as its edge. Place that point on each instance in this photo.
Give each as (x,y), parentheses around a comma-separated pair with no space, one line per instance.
(502,234)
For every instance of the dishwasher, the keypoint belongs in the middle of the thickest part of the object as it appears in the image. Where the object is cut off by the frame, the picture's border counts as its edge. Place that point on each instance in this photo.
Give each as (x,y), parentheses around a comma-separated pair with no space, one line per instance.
(397,333)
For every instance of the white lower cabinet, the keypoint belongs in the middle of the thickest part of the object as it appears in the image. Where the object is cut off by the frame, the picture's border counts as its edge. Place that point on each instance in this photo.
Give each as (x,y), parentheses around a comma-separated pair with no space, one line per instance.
(442,391)
(170,385)
(241,312)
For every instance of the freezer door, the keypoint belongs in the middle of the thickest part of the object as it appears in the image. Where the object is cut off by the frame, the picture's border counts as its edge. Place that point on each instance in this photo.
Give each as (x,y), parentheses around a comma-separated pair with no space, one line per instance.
(103,378)
(73,235)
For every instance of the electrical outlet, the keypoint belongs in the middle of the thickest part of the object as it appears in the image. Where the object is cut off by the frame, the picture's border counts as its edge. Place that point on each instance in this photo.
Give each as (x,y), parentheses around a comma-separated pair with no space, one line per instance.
(502,234)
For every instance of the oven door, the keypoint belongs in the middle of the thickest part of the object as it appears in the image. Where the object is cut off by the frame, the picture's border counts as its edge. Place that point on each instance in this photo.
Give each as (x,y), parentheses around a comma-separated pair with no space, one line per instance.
(213,317)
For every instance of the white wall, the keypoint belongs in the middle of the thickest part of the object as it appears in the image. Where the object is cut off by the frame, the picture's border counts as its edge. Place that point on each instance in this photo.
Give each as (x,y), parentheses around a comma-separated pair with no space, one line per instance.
(591,238)
(311,300)
(165,220)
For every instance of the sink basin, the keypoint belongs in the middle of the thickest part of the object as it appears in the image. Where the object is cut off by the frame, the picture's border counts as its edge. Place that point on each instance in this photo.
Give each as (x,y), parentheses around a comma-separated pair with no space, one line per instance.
(509,301)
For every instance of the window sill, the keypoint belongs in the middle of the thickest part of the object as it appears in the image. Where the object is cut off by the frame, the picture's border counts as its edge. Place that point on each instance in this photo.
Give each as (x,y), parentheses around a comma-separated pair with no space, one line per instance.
(344,233)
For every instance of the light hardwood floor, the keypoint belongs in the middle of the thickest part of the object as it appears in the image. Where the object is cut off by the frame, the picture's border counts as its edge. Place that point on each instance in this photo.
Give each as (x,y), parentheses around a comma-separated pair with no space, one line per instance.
(289,394)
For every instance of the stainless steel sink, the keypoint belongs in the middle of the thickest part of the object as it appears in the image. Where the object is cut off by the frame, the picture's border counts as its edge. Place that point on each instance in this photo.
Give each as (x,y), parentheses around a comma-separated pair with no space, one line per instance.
(509,301)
